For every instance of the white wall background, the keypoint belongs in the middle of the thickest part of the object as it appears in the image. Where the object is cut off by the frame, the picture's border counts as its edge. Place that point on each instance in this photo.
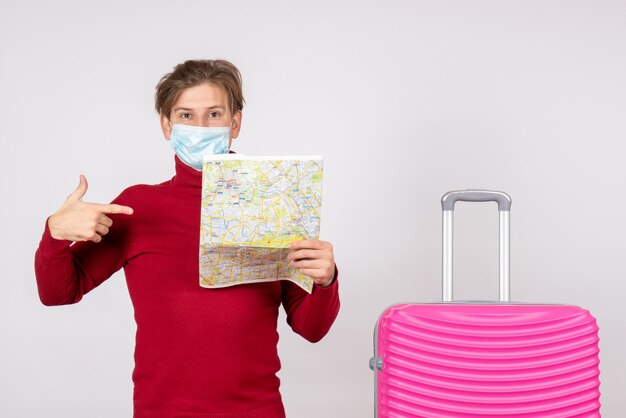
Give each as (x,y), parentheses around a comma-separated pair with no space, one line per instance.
(405,99)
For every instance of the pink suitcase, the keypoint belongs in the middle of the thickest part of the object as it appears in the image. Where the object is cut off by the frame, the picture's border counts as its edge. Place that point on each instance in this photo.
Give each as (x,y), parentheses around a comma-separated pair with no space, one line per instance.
(485,359)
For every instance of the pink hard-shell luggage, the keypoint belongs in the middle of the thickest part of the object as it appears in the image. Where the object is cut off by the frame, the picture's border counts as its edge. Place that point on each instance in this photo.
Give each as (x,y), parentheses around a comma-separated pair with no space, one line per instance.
(485,359)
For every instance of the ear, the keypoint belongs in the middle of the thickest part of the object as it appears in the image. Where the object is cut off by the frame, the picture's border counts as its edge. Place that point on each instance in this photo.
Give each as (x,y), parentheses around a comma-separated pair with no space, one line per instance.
(236,126)
(165,127)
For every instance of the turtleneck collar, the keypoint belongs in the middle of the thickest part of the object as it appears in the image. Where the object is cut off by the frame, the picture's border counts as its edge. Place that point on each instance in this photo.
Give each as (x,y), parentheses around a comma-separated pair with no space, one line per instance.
(186,176)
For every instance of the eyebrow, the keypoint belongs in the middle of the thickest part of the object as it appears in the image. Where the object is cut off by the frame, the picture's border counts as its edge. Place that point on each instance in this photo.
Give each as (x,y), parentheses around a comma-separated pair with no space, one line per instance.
(201,108)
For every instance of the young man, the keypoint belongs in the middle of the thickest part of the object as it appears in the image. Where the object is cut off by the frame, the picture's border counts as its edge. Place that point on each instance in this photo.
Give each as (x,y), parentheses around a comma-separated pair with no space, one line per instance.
(199,352)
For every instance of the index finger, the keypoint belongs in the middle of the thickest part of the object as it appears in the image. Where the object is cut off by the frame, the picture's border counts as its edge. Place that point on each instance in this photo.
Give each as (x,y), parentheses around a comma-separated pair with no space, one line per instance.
(314,244)
(113,208)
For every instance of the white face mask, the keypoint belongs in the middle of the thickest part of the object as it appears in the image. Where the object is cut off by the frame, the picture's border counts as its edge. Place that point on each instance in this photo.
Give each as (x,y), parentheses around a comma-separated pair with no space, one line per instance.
(192,143)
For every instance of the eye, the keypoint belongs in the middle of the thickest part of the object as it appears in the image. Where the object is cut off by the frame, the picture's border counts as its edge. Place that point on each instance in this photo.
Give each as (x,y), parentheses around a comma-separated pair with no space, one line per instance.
(214,115)
(185,115)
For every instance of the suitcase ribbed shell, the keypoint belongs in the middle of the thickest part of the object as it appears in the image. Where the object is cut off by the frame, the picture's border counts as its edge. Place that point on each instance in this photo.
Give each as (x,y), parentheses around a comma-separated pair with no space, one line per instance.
(487,360)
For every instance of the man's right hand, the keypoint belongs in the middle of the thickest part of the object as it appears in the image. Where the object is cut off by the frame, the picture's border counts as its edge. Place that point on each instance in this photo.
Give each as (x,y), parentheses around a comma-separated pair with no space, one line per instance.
(80,221)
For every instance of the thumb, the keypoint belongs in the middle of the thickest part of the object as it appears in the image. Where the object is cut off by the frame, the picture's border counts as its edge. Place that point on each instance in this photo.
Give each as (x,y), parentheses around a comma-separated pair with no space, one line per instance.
(81,189)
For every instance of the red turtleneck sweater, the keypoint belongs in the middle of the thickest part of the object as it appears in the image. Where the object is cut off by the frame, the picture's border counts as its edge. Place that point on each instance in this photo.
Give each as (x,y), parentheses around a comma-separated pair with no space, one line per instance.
(200,353)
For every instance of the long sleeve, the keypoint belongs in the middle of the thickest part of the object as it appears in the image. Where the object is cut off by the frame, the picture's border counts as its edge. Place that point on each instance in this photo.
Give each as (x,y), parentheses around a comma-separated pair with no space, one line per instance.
(311,315)
(66,272)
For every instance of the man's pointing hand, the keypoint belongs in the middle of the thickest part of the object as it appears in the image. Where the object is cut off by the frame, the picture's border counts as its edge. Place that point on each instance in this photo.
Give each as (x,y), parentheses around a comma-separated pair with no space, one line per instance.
(81,221)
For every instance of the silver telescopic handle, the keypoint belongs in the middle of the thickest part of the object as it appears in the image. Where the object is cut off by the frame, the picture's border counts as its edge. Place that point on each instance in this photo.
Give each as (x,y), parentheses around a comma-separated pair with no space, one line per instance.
(504,209)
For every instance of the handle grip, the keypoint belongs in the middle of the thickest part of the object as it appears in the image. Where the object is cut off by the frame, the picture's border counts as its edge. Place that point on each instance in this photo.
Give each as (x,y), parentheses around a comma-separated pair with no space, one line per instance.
(504,208)
(449,199)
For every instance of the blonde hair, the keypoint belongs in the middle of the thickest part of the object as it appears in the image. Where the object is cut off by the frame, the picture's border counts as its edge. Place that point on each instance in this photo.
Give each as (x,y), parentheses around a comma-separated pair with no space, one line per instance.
(195,72)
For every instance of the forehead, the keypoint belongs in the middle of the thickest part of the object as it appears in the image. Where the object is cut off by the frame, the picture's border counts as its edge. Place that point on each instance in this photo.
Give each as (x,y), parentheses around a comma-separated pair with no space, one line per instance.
(202,95)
